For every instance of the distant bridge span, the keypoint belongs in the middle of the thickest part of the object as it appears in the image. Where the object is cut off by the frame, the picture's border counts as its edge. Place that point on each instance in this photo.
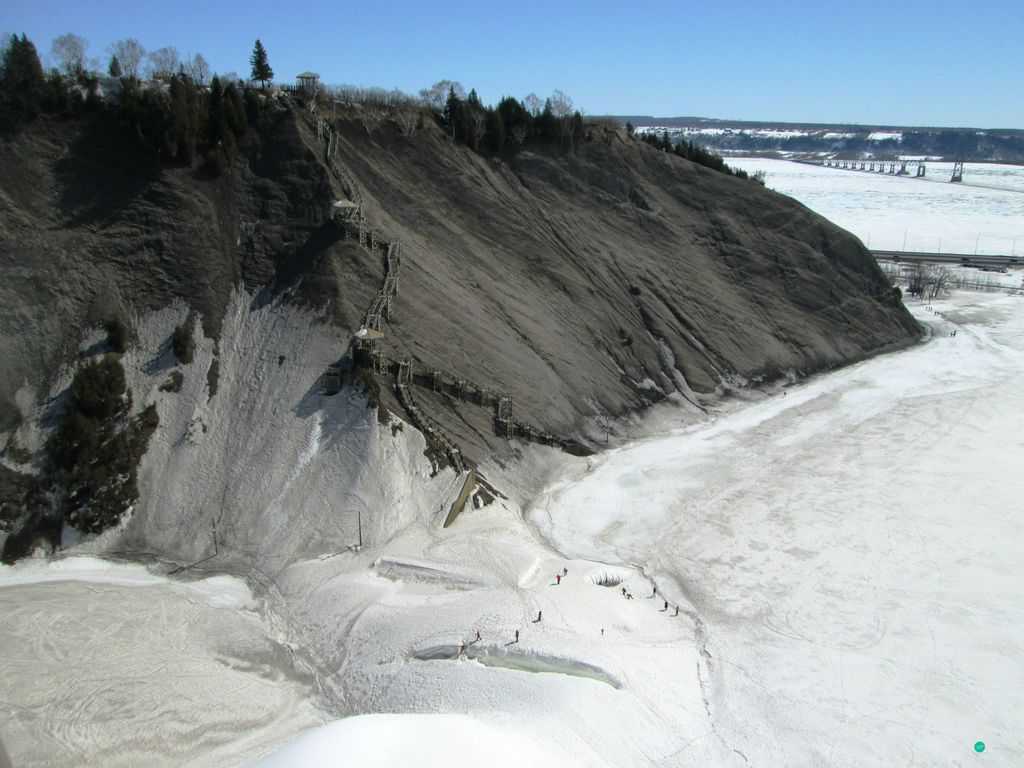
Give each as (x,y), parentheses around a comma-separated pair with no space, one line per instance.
(964,259)
(904,169)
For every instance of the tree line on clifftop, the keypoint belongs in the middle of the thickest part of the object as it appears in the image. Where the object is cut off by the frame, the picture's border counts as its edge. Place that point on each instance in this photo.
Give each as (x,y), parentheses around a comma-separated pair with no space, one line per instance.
(179,114)
(176,116)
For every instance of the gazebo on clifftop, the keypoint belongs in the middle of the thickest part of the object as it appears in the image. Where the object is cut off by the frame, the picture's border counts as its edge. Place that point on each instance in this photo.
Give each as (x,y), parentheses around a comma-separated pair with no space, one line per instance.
(308,83)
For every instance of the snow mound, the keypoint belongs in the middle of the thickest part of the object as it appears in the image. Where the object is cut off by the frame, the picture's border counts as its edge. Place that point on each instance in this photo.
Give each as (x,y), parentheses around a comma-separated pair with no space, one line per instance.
(372,741)
(94,569)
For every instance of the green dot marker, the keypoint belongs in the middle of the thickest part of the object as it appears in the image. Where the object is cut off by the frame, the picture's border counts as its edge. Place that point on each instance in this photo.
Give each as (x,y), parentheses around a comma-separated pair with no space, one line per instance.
(979,746)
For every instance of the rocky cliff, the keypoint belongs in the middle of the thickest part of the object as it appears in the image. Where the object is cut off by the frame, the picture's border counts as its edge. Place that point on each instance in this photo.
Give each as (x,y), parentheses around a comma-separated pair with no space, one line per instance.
(580,285)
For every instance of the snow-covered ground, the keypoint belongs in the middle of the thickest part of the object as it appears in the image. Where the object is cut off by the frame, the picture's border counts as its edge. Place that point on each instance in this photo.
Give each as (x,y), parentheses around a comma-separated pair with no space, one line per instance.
(106,664)
(895,213)
(853,549)
(844,556)
(885,136)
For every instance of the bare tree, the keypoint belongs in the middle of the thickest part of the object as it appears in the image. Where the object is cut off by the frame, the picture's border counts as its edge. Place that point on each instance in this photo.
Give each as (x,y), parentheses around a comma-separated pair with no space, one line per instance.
(69,51)
(928,280)
(436,95)
(561,104)
(198,69)
(129,53)
(351,94)
(230,77)
(533,104)
(478,119)
(408,119)
(939,282)
(163,62)
(917,279)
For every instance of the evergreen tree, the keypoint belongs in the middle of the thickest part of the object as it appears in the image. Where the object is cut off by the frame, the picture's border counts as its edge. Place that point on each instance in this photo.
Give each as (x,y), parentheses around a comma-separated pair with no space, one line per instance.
(495,130)
(234,110)
(252,106)
(579,132)
(516,121)
(474,121)
(260,66)
(547,123)
(115,67)
(222,138)
(184,129)
(218,120)
(452,112)
(56,98)
(22,85)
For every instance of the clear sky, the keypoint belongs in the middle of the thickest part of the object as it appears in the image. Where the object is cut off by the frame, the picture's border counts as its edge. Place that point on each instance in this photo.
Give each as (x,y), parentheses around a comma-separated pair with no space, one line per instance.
(898,62)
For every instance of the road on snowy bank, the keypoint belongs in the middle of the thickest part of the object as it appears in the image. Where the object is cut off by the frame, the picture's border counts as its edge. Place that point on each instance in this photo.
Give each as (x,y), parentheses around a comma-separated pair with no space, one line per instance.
(970,260)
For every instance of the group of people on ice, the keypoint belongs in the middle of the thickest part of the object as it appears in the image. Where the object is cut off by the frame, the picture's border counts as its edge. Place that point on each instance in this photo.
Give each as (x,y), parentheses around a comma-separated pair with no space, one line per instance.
(540,614)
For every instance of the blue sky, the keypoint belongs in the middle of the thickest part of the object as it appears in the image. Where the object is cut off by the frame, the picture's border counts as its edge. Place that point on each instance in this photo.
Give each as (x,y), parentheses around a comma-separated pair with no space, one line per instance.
(900,62)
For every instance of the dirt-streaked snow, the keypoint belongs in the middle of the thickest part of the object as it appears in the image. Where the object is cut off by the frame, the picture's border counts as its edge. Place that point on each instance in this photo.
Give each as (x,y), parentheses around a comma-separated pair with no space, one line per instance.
(900,213)
(107,664)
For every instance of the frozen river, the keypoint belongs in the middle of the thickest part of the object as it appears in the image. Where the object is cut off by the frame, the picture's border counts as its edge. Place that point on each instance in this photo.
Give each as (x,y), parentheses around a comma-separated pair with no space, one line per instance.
(894,213)
(853,548)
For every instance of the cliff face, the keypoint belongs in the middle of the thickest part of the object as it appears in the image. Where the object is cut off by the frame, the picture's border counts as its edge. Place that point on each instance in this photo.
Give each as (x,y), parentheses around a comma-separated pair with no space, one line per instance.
(90,231)
(586,284)
(580,285)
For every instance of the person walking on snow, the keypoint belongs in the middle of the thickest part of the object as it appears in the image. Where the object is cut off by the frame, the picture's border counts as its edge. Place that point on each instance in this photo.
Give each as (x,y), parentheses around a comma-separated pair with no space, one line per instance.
(565,571)
(478,635)
(517,635)
(538,616)
(677,611)
(558,578)
(666,605)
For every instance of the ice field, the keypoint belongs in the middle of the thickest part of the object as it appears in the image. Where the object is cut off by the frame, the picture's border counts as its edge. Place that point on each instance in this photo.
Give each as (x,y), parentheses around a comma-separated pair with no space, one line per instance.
(901,213)
(844,554)
(853,549)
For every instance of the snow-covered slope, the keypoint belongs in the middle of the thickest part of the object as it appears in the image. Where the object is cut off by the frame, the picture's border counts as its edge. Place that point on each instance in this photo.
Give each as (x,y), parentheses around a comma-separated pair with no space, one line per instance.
(278,469)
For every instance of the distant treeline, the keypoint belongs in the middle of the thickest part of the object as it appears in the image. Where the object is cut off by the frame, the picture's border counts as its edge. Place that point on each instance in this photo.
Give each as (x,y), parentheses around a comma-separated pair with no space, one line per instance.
(969,144)
(690,151)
